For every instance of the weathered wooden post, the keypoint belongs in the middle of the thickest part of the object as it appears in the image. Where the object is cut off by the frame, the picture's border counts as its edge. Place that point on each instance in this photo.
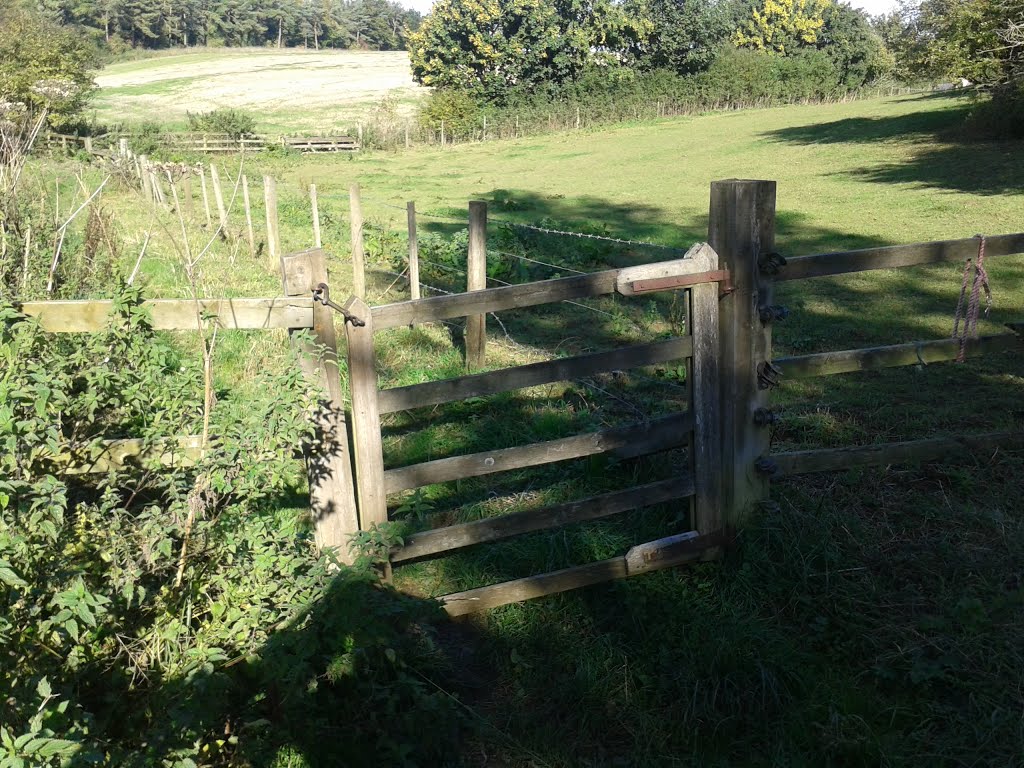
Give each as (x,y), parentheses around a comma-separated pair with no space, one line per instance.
(741,229)
(358,256)
(329,468)
(206,197)
(248,216)
(414,251)
(218,195)
(476,280)
(273,231)
(316,216)
(362,383)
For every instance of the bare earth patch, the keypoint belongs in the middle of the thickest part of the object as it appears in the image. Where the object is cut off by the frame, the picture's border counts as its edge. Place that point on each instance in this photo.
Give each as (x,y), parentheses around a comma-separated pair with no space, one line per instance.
(280,85)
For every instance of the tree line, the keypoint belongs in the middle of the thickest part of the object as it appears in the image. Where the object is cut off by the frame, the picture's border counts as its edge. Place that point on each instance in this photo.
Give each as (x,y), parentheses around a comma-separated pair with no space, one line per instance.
(118,24)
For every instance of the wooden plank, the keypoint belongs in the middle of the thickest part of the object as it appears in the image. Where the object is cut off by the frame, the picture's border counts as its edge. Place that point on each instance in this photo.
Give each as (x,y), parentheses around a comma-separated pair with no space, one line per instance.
(690,264)
(706,455)
(118,454)
(456,537)
(362,383)
(623,442)
(677,551)
(895,355)
(494,299)
(175,314)
(742,227)
(895,256)
(476,280)
(533,374)
(960,448)
(332,499)
(358,253)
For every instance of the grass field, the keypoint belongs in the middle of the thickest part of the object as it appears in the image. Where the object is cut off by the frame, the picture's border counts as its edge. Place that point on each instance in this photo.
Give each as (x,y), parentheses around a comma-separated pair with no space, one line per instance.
(875,617)
(288,90)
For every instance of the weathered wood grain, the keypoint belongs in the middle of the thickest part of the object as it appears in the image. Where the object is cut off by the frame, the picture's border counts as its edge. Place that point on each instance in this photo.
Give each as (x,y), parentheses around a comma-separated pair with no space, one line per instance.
(961,448)
(493,299)
(456,537)
(895,256)
(623,442)
(645,558)
(895,355)
(176,314)
(355,207)
(476,280)
(692,262)
(532,375)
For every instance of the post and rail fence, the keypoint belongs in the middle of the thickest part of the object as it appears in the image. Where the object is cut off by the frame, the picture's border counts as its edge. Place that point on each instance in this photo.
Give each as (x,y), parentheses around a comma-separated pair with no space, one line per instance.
(725,429)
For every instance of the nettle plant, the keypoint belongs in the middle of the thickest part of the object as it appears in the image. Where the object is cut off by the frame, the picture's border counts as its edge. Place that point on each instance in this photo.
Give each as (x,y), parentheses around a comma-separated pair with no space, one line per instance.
(137,604)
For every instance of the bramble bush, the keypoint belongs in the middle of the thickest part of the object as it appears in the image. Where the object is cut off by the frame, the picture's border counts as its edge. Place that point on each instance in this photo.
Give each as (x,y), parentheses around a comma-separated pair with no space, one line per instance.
(177,615)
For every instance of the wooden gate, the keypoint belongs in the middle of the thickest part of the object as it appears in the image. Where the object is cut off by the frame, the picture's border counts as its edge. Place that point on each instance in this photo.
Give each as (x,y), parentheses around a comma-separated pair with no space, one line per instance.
(698,271)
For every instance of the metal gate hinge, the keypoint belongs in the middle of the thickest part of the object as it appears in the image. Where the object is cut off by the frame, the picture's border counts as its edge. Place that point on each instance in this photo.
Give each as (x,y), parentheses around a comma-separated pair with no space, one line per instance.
(322,294)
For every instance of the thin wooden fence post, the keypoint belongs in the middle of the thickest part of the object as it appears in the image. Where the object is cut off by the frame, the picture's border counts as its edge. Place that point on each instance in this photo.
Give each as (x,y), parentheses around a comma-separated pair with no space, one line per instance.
(414,251)
(329,468)
(218,194)
(476,280)
(185,201)
(206,198)
(316,216)
(358,256)
(704,384)
(368,447)
(741,229)
(273,234)
(147,189)
(248,216)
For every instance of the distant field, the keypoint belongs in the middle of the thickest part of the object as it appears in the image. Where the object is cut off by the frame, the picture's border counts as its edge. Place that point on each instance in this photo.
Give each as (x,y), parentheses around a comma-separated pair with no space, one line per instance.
(290,90)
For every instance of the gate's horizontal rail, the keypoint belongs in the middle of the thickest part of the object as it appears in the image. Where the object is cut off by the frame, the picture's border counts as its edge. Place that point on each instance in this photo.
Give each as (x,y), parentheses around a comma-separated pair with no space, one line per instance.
(643,558)
(532,294)
(930,449)
(455,537)
(534,374)
(176,314)
(624,442)
(913,353)
(894,256)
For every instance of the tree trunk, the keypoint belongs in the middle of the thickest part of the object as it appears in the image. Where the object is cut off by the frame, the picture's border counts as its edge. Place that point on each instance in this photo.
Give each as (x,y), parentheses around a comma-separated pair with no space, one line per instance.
(280,30)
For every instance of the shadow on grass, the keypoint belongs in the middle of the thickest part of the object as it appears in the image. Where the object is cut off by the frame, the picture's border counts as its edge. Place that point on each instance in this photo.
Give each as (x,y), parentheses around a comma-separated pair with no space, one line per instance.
(941,156)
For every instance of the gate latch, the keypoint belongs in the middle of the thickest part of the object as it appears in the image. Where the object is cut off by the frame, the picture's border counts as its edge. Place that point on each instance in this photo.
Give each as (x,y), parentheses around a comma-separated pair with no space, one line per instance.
(322,294)
(720,276)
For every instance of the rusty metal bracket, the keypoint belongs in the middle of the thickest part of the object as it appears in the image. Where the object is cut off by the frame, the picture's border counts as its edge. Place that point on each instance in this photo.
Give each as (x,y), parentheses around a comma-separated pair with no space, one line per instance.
(322,294)
(720,276)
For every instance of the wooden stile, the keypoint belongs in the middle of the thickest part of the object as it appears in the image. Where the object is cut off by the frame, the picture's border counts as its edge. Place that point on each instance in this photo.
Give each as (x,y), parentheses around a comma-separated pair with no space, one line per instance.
(358,253)
(741,228)
(329,467)
(476,280)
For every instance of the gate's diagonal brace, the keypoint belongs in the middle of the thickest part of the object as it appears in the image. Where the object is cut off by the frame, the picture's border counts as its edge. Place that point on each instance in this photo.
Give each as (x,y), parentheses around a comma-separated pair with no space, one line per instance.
(322,294)
(720,276)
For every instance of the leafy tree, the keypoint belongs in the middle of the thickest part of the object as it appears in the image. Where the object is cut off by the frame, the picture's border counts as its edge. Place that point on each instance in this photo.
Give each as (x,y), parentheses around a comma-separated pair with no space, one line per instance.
(782,26)
(685,33)
(492,46)
(855,49)
(43,65)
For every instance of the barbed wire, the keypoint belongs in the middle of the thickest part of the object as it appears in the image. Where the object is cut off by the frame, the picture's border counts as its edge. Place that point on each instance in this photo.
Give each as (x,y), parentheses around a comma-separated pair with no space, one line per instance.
(538,261)
(585,236)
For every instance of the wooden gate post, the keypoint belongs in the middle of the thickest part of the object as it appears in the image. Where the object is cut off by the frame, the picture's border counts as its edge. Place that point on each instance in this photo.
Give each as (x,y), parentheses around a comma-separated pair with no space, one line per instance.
(476,270)
(328,464)
(741,229)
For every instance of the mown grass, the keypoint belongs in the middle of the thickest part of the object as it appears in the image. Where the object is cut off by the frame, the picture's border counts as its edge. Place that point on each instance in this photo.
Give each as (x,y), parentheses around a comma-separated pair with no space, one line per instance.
(873,617)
